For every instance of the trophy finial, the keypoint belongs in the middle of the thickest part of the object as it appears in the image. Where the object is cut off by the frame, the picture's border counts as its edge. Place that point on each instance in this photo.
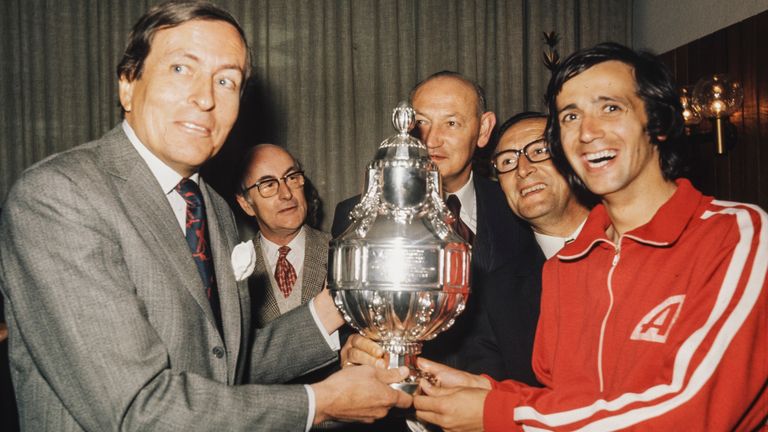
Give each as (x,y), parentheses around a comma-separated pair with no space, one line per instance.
(403,117)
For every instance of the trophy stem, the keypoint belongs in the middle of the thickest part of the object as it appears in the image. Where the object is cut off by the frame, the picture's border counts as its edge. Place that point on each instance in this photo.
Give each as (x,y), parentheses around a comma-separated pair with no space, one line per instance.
(405,354)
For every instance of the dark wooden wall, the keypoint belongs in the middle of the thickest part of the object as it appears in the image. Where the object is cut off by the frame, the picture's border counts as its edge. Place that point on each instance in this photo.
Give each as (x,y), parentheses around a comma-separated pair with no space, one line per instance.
(741,51)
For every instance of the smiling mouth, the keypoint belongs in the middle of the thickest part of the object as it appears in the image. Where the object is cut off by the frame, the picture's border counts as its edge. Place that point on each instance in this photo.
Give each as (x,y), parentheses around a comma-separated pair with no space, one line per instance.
(195,128)
(601,158)
(535,188)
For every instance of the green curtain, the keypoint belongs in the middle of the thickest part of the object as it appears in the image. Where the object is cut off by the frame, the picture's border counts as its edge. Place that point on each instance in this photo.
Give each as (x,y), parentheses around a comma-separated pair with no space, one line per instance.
(327,73)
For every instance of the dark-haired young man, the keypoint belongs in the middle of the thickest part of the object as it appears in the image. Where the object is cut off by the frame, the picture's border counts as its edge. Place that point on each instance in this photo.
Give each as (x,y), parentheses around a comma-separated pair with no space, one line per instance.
(124,313)
(654,318)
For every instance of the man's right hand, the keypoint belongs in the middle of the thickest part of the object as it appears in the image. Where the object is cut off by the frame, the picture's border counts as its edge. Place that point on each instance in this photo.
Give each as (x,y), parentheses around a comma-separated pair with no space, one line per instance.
(359,393)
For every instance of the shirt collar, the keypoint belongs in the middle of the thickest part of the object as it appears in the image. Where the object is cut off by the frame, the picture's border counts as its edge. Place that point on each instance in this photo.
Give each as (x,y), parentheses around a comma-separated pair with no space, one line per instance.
(663,229)
(550,245)
(271,249)
(466,194)
(165,175)
(467,197)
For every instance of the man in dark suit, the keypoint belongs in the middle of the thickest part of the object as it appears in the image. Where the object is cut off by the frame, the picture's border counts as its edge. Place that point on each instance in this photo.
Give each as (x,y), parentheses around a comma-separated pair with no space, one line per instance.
(124,312)
(271,191)
(502,343)
(452,121)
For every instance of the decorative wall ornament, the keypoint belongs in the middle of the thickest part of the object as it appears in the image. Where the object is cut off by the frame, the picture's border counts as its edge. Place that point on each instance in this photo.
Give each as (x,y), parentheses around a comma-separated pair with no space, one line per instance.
(550,55)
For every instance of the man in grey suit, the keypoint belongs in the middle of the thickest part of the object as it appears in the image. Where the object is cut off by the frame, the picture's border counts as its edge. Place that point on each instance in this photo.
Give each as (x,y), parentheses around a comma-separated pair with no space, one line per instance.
(124,312)
(271,190)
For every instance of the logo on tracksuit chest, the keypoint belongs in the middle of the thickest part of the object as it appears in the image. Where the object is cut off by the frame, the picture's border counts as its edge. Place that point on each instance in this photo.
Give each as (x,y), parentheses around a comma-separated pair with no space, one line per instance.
(657,324)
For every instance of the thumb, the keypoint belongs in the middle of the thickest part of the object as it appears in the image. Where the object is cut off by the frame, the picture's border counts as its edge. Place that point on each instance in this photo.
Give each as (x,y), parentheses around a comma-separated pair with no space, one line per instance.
(390,376)
(430,366)
(433,390)
(428,389)
(404,400)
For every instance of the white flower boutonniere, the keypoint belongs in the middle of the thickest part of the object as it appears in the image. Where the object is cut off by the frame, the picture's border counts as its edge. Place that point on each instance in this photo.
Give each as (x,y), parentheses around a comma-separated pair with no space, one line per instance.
(243,260)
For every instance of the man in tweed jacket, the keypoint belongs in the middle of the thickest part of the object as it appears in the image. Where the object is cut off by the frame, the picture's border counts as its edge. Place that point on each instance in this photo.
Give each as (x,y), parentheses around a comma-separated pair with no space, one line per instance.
(271,190)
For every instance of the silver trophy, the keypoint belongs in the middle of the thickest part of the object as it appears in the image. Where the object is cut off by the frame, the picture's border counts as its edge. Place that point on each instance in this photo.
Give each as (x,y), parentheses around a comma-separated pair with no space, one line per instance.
(399,274)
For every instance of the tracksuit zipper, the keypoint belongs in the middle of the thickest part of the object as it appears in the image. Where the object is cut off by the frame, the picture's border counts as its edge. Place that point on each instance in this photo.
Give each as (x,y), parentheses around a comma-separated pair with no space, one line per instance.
(616,258)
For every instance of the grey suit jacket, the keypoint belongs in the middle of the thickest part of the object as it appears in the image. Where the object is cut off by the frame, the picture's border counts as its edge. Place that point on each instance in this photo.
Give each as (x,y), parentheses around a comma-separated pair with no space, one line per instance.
(109,325)
(263,302)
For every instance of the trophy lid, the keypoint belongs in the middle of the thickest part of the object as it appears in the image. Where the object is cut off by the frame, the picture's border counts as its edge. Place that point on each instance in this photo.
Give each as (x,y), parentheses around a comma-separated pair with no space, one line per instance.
(402,146)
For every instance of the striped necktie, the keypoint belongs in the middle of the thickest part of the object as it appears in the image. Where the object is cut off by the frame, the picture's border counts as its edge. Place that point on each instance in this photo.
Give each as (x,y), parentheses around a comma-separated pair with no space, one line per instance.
(458,225)
(197,239)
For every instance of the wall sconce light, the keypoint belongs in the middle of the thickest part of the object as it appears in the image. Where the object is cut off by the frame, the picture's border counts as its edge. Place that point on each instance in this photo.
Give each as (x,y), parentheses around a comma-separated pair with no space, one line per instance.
(717,97)
(691,116)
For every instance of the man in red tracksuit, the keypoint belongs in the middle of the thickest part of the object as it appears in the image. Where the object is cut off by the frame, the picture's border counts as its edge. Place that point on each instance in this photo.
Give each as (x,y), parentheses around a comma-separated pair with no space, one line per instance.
(656,316)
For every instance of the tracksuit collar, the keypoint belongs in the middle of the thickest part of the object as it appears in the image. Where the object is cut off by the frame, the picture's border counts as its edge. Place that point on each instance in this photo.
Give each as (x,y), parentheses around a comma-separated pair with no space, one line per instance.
(663,229)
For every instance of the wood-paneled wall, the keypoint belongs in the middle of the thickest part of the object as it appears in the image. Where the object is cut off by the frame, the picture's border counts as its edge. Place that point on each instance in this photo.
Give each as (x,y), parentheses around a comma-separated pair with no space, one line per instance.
(739,50)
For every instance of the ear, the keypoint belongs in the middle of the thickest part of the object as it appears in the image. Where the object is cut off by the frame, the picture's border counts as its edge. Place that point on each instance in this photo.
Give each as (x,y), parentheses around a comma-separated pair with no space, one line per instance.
(245,205)
(125,90)
(487,122)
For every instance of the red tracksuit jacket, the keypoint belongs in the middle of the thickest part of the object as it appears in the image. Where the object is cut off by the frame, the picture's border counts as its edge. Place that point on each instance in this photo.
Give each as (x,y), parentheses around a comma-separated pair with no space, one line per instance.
(666,330)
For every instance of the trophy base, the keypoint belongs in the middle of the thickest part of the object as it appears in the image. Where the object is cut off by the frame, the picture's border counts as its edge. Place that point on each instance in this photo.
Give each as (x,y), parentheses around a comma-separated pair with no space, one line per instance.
(411,384)
(406,387)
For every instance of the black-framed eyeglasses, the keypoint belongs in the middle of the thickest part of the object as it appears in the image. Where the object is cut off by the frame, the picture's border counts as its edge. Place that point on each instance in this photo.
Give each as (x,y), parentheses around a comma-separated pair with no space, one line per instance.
(507,160)
(268,187)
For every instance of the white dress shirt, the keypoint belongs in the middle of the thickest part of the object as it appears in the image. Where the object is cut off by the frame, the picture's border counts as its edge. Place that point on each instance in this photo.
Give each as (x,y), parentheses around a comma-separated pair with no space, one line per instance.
(165,176)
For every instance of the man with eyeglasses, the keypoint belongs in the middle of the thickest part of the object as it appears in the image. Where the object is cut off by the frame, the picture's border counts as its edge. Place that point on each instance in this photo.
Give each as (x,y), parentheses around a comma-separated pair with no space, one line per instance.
(534,188)
(501,345)
(291,257)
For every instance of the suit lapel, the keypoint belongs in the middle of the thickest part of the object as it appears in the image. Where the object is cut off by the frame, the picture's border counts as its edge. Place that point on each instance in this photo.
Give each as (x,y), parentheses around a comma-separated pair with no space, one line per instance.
(482,249)
(229,295)
(268,310)
(315,269)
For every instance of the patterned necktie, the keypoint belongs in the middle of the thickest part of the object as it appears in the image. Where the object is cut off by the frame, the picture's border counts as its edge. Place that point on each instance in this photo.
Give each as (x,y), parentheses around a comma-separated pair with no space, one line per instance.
(285,274)
(197,239)
(458,225)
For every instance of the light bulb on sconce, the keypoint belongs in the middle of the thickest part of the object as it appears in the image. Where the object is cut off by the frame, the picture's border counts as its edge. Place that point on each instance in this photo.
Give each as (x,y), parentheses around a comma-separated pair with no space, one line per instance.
(717,97)
(691,116)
